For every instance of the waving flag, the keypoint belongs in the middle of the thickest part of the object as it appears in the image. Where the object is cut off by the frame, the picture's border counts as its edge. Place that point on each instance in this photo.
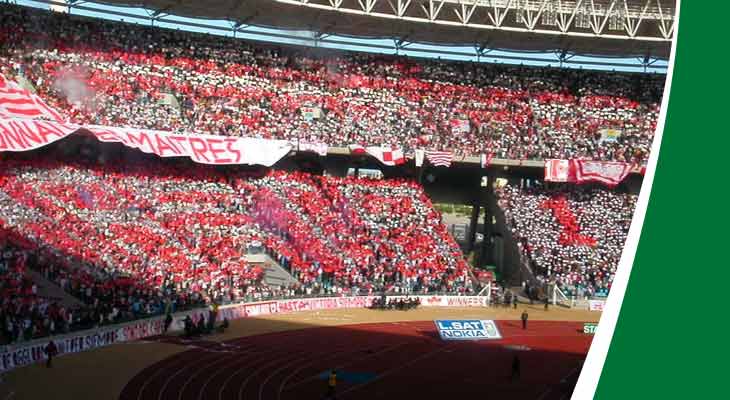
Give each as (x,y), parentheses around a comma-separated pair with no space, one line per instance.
(439,158)
(16,102)
(419,157)
(356,149)
(559,171)
(486,159)
(387,155)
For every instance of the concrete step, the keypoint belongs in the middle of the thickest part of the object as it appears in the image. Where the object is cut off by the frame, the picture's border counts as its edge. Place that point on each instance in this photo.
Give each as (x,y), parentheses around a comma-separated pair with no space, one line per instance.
(52,291)
(275,274)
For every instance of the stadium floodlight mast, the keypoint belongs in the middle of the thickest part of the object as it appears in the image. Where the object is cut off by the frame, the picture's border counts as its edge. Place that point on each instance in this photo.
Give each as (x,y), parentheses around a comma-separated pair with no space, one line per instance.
(643,20)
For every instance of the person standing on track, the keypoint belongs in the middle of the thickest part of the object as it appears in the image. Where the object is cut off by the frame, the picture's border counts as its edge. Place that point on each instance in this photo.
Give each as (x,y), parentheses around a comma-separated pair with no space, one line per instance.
(524,319)
(332,385)
(51,351)
(546,303)
(516,368)
(168,322)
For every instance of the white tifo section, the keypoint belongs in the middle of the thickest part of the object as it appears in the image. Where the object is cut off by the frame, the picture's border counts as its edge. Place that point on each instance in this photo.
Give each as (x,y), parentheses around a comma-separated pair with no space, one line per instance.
(591,373)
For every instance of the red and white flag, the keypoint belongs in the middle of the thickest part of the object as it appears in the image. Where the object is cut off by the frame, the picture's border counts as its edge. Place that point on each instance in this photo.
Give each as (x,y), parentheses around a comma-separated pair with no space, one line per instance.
(581,171)
(387,155)
(439,158)
(420,153)
(486,159)
(559,171)
(356,149)
(16,102)
(609,173)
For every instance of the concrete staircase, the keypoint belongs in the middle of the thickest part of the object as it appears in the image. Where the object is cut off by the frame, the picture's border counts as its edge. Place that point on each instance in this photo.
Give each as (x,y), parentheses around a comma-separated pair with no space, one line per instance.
(52,291)
(521,295)
(275,274)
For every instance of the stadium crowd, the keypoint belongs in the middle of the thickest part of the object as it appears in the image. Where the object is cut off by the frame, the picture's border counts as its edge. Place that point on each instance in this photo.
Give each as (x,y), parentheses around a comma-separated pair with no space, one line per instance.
(118,74)
(24,313)
(572,236)
(145,238)
(137,239)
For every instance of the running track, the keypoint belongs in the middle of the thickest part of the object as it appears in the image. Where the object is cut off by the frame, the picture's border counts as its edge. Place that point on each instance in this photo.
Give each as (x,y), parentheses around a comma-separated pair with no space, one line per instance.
(402,360)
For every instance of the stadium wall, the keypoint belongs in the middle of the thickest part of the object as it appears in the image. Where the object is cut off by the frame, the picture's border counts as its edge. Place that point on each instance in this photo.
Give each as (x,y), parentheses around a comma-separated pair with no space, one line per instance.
(22,354)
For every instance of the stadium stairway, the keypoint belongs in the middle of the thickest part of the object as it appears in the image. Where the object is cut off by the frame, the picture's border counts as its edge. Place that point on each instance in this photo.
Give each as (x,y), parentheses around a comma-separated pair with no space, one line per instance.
(52,291)
(275,274)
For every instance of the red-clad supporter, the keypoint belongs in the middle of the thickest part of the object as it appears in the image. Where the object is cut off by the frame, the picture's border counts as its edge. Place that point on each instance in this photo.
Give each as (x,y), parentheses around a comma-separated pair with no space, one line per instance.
(117,74)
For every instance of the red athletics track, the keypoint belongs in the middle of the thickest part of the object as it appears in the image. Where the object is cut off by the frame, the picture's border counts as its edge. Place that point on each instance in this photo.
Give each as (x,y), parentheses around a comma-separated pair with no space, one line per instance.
(400,360)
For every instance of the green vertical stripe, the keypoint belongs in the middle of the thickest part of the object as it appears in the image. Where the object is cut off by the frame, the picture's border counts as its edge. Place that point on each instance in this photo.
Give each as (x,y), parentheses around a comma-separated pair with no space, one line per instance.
(673,319)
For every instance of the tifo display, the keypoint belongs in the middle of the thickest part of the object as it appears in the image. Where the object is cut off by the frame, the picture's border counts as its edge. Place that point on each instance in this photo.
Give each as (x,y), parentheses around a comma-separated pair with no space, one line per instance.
(572,236)
(128,76)
(126,236)
(139,239)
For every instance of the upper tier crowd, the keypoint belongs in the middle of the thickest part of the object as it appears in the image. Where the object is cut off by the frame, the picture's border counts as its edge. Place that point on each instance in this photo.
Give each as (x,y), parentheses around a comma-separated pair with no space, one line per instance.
(136,239)
(572,236)
(118,74)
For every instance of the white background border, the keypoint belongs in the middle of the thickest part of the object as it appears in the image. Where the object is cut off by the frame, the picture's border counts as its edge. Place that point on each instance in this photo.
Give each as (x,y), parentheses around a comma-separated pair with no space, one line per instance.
(591,373)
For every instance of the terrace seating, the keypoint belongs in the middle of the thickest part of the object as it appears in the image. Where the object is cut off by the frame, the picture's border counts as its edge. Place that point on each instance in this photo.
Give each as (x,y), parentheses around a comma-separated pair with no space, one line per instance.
(573,236)
(145,238)
(118,74)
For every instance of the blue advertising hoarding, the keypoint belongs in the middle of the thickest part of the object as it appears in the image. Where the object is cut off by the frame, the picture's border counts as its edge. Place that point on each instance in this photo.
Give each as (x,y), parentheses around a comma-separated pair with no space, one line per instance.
(467,329)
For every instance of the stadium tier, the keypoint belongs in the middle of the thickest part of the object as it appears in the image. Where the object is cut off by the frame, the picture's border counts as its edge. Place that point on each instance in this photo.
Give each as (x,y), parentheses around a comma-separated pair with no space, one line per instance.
(137,239)
(147,236)
(115,74)
(572,236)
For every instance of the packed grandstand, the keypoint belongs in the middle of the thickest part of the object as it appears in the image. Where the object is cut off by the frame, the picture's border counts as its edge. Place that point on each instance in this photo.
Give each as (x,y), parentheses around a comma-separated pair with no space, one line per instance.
(148,236)
(229,87)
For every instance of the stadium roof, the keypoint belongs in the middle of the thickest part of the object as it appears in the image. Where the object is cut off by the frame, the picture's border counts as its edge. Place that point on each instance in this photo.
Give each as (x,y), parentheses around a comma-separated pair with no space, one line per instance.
(613,28)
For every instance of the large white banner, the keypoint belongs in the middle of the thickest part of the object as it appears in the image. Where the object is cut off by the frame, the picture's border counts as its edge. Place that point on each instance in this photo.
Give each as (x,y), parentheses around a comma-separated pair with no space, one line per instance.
(28,134)
(607,172)
(204,149)
(28,123)
(314,147)
(18,356)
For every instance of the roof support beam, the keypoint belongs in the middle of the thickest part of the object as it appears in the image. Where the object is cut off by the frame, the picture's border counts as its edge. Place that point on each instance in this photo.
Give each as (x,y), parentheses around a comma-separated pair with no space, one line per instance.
(642,20)
(534,17)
